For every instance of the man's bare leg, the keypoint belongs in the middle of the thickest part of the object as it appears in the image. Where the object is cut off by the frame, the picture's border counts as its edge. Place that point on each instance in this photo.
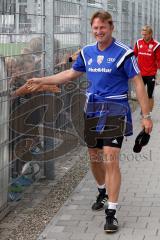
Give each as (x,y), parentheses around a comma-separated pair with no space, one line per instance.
(99,172)
(151,103)
(113,182)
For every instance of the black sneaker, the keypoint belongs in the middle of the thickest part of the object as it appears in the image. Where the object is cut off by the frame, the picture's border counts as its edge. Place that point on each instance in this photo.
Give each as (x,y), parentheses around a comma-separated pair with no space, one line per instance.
(111,221)
(100,201)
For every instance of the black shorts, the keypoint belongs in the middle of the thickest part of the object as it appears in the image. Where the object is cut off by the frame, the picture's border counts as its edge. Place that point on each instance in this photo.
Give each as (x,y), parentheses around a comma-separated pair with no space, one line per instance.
(150,82)
(112,134)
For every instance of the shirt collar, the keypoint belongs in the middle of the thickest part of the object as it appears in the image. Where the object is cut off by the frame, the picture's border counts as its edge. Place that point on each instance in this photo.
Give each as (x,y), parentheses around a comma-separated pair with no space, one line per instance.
(99,51)
(151,41)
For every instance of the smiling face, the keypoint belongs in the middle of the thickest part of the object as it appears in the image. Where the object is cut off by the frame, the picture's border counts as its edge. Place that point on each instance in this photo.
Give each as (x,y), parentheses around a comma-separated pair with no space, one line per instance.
(102,31)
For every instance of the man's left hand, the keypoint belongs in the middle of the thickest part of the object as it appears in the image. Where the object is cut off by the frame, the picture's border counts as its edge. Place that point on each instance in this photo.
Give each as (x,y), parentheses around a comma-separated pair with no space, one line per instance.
(147,124)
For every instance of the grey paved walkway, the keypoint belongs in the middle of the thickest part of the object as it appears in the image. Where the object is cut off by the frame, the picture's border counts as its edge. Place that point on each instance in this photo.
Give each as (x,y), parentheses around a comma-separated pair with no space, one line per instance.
(139,202)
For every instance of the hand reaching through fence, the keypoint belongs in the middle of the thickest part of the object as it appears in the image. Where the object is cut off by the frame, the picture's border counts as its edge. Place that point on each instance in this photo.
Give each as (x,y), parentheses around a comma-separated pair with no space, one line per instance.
(68,58)
(33,87)
(74,56)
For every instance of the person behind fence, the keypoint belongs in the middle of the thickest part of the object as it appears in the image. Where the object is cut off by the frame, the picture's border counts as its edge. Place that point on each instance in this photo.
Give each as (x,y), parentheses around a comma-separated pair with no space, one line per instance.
(108,65)
(36,48)
(147,50)
(24,68)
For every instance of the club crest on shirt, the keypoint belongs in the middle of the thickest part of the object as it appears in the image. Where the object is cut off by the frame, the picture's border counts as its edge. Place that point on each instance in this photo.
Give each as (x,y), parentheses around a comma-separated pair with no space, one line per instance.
(150,46)
(90,61)
(100,59)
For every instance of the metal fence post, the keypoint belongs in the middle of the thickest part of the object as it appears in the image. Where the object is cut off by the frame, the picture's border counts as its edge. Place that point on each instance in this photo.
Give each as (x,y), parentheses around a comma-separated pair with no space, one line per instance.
(49,64)
(83,22)
(148,11)
(143,12)
(158,19)
(17,17)
(49,35)
(119,19)
(104,4)
(135,29)
(130,22)
(4,133)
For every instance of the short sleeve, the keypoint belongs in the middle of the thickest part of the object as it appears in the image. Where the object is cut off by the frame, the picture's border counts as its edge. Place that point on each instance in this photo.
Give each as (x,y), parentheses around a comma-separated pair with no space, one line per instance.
(79,64)
(131,67)
(157,52)
(136,50)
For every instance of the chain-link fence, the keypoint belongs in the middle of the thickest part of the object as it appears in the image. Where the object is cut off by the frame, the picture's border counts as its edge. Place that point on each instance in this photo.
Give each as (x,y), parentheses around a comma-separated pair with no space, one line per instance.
(22,57)
(38,38)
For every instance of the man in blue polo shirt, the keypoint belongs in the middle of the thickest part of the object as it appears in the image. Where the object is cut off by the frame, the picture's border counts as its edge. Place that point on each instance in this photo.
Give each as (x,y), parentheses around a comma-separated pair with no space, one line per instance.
(108,65)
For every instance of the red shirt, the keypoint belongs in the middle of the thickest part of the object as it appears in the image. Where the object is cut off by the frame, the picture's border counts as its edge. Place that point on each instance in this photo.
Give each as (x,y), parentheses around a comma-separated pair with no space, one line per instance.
(148,54)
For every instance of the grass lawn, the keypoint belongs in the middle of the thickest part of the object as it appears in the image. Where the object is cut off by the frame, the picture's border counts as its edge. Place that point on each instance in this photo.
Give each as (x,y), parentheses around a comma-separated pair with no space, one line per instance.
(9,49)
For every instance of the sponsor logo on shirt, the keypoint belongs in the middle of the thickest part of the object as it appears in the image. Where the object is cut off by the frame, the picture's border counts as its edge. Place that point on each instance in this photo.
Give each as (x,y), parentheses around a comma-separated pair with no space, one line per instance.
(90,61)
(105,70)
(110,60)
(147,54)
(100,59)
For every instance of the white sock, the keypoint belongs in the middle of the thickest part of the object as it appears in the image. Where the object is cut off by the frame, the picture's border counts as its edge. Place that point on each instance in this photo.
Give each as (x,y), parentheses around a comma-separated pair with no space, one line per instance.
(101,186)
(112,205)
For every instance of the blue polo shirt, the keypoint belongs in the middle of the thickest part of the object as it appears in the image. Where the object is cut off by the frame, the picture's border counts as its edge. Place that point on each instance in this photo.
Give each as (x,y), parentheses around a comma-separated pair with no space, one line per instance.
(108,72)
